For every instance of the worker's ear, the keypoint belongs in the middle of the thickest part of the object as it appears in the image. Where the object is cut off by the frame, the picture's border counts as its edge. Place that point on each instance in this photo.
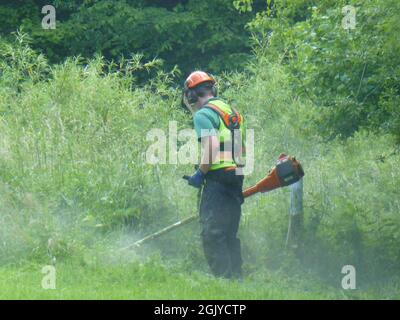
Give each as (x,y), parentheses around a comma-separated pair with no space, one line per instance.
(183,104)
(187,104)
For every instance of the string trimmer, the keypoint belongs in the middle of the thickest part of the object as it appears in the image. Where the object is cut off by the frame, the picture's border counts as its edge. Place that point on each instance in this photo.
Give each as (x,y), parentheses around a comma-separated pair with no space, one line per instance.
(287,171)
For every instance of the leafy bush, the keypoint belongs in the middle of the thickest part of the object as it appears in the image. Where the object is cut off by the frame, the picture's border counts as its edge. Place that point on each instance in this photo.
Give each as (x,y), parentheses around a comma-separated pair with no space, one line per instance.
(351,74)
(190,34)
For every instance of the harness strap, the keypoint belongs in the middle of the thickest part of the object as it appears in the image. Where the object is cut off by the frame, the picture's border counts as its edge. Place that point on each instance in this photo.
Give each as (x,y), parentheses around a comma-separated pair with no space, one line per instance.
(231,121)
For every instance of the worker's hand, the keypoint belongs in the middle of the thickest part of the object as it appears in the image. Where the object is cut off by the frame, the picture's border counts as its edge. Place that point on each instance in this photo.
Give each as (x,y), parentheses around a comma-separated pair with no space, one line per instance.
(197,179)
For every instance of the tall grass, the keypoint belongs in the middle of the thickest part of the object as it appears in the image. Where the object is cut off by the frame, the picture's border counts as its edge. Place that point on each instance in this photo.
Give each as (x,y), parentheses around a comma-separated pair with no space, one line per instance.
(73,152)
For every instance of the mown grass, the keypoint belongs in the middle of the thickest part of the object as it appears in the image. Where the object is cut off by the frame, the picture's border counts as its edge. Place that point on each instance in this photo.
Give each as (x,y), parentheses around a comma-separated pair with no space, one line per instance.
(158,281)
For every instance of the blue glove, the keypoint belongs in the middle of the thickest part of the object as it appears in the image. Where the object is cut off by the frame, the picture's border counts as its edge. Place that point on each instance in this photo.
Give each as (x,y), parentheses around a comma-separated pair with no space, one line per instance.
(197,179)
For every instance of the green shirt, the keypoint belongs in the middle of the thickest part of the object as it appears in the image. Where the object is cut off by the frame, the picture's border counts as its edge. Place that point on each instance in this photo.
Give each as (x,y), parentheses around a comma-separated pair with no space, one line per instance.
(206,122)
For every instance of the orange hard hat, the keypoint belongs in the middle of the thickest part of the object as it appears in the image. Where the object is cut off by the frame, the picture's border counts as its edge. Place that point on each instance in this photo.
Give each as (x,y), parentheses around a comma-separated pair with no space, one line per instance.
(196,78)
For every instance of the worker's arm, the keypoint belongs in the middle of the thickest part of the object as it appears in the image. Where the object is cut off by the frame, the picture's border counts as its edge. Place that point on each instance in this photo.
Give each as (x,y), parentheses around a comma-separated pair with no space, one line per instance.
(207,133)
(210,149)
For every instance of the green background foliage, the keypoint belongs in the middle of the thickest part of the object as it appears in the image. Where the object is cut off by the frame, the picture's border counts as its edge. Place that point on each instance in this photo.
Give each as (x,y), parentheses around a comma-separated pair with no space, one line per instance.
(190,34)
(351,74)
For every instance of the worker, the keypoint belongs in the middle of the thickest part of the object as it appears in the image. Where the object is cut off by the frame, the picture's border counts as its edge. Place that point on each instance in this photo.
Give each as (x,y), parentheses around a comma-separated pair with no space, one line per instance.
(216,125)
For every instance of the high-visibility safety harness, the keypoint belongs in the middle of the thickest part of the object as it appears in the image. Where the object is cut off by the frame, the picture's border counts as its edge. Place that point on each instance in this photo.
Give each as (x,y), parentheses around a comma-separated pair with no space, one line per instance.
(231,135)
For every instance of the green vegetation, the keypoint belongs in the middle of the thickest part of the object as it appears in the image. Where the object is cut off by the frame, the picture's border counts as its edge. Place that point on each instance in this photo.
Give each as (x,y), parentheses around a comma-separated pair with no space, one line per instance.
(75,186)
(204,34)
(154,280)
(352,75)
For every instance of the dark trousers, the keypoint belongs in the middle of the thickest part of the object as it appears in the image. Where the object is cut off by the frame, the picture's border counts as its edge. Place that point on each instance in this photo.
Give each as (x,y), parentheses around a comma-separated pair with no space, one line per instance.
(220,211)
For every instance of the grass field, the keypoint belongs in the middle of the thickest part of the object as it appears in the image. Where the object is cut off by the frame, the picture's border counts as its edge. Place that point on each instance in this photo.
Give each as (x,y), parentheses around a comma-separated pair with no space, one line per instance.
(134,281)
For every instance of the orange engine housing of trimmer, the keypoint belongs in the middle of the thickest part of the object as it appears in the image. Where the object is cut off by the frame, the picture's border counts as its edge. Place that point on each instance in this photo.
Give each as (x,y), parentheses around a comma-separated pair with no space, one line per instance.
(287,171)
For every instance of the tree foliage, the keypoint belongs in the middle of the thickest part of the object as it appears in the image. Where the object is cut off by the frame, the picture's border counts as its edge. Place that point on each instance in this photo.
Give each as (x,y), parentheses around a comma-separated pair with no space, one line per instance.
(353,75)
(191,34)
